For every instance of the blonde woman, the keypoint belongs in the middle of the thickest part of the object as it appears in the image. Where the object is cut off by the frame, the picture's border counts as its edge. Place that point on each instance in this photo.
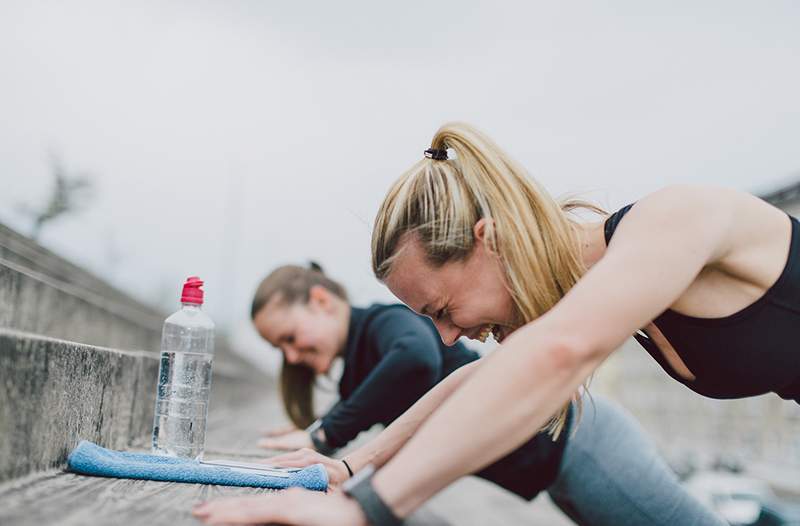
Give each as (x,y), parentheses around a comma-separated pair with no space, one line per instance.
(392,356)
(707,279)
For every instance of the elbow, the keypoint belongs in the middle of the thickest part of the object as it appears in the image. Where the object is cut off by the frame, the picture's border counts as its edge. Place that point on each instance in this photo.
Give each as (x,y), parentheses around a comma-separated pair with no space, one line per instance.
(419,377)
(571,352)
(426,375)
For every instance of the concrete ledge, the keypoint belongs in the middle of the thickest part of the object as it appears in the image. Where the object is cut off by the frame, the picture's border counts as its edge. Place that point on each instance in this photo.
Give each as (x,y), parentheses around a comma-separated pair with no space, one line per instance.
(36,303)
(21,250)
(54,393)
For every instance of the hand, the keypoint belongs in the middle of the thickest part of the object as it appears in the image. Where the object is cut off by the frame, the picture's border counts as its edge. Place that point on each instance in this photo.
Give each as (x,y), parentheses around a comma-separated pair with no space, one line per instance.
(279,431)
(337,472)
(293,506)
(293,440)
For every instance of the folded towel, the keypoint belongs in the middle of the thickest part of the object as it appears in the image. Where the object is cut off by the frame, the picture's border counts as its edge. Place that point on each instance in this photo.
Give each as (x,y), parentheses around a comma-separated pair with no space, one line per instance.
(90,459)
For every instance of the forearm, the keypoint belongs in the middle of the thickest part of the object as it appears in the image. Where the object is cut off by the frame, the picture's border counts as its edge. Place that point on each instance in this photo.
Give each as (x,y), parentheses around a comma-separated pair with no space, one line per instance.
(378,451)
(400,379)
(501,406)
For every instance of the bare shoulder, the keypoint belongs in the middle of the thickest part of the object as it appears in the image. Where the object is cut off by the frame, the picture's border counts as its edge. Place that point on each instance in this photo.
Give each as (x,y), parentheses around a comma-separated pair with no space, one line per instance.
(687,202)
(724,220)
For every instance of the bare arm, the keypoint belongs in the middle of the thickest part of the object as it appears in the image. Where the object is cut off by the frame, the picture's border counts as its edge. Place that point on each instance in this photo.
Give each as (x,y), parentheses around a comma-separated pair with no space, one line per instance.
(383,447)
(655,255)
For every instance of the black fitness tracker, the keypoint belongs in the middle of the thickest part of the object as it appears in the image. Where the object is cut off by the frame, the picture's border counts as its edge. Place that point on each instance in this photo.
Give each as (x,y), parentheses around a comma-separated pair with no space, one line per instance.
(316,432)
(359,488)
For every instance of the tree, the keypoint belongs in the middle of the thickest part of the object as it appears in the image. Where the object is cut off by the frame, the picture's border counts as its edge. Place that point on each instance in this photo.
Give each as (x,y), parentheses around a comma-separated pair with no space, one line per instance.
(70,193)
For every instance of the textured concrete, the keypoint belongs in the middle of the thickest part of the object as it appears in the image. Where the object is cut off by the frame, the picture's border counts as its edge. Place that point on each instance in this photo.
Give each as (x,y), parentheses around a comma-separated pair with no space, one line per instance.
(58,497)
(39,304)
(23,251)
(53,393)
(42,293)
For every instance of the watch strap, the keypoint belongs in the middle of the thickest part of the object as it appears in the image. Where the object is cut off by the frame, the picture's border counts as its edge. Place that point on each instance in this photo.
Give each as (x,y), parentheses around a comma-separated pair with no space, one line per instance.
(360,489)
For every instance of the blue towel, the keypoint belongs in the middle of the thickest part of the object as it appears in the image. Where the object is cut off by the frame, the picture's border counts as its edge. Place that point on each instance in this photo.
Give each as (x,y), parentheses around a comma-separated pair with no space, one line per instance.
(90,459)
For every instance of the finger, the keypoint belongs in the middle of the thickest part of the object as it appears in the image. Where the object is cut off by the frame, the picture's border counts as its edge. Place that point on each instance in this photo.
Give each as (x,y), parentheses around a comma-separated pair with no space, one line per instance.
(240,510)
(299,462)
(300,454)
(205,510)
(295,463)
(275,432)
(271,443)
(278,458)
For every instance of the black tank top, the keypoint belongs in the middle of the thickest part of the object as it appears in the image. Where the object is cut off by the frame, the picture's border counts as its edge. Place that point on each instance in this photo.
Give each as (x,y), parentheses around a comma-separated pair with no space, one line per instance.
(751,352)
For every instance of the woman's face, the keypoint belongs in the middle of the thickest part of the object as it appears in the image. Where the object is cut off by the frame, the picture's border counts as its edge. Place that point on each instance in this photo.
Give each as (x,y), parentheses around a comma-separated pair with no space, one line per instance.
(308,334)
(465,298)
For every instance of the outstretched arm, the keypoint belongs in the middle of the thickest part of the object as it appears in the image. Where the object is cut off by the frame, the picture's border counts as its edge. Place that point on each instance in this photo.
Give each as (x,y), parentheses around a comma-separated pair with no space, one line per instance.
(409,365)
(383,447)
(656,253)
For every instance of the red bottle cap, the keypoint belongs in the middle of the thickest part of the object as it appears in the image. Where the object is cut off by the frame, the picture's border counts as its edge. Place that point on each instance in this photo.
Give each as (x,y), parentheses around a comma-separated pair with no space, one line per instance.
(192,293)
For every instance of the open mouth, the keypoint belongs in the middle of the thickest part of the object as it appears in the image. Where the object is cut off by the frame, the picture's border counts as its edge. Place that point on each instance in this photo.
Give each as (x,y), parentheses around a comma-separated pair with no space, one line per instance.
(497,332)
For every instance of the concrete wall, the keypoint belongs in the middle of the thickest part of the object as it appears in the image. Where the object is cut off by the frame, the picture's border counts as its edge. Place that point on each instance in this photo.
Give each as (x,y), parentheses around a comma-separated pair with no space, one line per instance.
(79,360)
(33,302)
(54,393)
(16,248)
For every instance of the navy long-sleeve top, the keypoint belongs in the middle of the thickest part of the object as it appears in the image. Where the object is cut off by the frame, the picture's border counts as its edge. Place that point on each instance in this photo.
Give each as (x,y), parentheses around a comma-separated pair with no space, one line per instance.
(392,357)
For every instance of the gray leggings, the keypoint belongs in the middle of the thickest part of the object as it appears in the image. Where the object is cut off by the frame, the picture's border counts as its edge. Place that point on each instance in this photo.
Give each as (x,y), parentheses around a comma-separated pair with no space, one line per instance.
(611,474)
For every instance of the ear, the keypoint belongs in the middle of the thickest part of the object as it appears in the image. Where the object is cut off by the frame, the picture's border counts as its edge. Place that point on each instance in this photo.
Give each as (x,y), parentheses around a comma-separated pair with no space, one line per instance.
(320,297)
(483,229)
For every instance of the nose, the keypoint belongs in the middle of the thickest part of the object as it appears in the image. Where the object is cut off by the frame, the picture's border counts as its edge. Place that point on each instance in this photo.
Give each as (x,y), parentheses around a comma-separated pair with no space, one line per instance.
(448,332)
(291,354)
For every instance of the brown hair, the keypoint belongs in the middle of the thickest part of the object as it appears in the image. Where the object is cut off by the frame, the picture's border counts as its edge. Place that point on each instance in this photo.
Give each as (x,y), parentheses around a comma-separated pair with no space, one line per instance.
(440,200)
(291,284)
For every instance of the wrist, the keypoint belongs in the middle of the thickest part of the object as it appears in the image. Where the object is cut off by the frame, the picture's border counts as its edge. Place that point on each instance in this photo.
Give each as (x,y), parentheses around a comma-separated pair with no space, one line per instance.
(317,434)
(360,489)
(361,457)
(349,468)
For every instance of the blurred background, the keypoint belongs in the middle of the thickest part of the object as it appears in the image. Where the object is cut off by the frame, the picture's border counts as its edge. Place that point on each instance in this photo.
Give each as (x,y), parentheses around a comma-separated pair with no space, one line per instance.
(149,141)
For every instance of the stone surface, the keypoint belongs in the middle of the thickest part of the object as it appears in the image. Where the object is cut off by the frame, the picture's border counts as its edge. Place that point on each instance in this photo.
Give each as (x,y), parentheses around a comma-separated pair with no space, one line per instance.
(21,250)
(58,497)
(42,293)
(38,304)
(53,393)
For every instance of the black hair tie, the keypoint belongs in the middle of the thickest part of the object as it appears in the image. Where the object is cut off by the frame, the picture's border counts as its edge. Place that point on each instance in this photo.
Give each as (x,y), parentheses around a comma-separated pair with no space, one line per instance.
(436,154)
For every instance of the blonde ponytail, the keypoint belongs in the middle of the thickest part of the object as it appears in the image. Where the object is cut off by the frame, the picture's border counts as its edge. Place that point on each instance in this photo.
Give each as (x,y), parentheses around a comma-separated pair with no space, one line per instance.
(439,201)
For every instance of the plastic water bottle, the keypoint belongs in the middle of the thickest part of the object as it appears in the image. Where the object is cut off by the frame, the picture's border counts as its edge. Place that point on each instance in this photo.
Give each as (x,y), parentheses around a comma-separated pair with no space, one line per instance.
(184,377)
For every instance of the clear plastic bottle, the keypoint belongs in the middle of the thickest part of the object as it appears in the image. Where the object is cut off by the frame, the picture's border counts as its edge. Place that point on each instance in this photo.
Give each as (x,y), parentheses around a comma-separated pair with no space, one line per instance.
(184,377)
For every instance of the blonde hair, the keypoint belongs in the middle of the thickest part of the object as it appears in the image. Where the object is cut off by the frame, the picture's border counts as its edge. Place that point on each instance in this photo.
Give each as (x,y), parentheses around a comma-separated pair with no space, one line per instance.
(439,202)
(291,284)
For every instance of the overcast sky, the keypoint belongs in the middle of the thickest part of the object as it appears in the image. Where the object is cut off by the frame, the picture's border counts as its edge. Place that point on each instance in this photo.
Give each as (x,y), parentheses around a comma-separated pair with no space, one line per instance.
(225,138)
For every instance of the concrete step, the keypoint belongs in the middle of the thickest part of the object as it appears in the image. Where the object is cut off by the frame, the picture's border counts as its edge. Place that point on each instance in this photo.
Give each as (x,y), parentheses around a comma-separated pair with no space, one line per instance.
(54,393)
(37,303)
(42,293)
(19,249)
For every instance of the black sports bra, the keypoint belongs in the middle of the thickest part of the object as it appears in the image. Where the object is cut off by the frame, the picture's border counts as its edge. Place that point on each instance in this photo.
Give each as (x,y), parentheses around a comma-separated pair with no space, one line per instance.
(751,352)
